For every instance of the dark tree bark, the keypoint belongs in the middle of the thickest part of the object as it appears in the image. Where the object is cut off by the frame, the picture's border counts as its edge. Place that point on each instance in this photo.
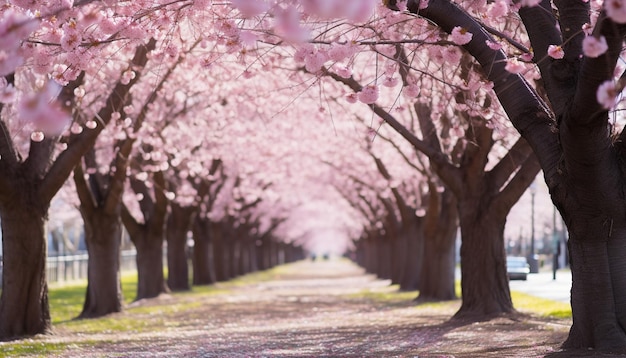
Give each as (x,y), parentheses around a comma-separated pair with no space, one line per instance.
(438,262)
(203,260)
(178,225)
(103,236)
(219,252)
(148,237)
(24,306)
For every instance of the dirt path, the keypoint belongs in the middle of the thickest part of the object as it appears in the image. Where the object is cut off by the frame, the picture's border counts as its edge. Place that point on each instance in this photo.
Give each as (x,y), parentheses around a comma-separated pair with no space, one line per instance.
(320,309)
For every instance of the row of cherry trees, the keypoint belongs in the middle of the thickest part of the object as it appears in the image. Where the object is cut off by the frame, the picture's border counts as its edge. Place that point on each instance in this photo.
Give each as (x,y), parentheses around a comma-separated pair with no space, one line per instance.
(439,74)
(160,112)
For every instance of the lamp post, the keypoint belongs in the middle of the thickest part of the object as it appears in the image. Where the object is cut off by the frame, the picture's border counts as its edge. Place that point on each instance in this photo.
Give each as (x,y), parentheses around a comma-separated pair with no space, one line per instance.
(532,261)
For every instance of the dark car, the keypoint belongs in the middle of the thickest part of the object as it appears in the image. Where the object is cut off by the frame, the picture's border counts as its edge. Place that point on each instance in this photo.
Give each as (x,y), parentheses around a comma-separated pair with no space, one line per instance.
(517,267)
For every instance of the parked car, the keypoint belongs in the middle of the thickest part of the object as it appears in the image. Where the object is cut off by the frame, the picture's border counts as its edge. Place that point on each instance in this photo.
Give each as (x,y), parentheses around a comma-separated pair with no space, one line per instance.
(517,267)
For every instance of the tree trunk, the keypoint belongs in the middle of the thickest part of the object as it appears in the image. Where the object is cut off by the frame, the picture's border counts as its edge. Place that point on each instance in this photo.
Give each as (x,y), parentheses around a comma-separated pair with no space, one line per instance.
(103,236)
(24,308)
(178,226)
(219,252)
(436,281)
(203,272)
(233,252)
(415,251)
(597,306)
(151,281)
(484,281)
(399,252)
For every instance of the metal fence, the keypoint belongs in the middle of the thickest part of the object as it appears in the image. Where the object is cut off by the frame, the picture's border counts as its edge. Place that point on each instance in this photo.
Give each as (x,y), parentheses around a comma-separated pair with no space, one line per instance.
(74,267)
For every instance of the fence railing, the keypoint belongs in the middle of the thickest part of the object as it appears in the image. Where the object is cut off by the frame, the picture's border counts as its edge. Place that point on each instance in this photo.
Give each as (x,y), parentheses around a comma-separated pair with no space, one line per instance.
(74,267)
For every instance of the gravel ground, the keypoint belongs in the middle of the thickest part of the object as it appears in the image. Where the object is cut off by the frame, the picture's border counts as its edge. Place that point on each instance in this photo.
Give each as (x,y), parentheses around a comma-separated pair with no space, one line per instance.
(316,309)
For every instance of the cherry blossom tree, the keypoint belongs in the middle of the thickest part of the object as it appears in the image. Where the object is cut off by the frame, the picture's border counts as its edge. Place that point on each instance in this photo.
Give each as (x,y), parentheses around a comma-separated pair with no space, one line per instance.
(576,48)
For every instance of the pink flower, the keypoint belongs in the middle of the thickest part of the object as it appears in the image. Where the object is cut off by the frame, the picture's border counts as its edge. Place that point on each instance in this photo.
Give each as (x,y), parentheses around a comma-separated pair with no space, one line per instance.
(7,91)
(344,72)
(607,94)
(248,38)
(313,62)
(527,56)
(452,55)
(390,81)
(493,45)
(423,4)
(287,24)
(498,9)
(339,52)
(250,8)
(616,10)
(351,98)
(514,66)
(44,111)
(127,76)
(594,47)
(556,52)
(411,91)
(369,94)
(530,3)
(460,35)
(37,136)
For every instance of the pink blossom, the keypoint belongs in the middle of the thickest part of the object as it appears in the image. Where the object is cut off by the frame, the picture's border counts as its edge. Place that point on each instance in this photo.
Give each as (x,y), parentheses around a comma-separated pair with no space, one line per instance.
(37,136)
(423,4)
(344,71)
(527,56)
(127,76)
(556,52)
(530,3)
(493,45)
(7,91)
(351,97)
(616,10)
(76,128)
(15,27)
(460,35)
(452,55)
(287,24)
(498,9)
(250,8)
(355,10)
(594,47)
(43,110)
(607,94)
(411,91)
(248,38)
(339,52)
(71,37)
(313,62)
(369,94)
(91,124)
(514,66)
(390,81)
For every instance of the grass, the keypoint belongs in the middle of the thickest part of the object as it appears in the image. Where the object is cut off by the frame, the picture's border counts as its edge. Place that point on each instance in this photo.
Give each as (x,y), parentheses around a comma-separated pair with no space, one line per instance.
(540,306)
(66,300)
(521,301)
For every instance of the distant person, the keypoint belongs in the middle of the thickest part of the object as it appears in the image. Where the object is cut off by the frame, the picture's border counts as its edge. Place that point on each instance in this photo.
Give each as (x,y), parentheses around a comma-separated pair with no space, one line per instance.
(313,257)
